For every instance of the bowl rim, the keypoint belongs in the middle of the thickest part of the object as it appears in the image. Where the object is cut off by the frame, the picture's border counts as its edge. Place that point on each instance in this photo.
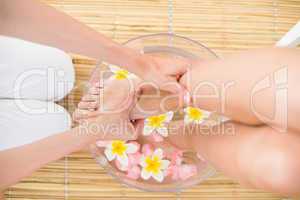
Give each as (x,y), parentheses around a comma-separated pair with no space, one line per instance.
(171,35)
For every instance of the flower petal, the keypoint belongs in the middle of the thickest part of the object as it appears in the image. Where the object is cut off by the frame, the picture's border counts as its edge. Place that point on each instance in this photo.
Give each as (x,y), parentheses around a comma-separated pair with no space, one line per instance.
(199,121)
(148,130)
(187,119)
(120,166)
(132,76)
(134,159)
(131,148)
(185,110)
(158,152)
(145,174)
(114,68)
(123,160)
(147,149)
(159,176)
(165,164)
(169,116)
(109,155)
(102,143)
(134,173)
(143,161)
(205,113)
(186,171)
(163,131)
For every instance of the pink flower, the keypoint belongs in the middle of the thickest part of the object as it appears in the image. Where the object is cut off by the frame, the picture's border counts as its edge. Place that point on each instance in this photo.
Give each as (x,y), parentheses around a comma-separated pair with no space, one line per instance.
(176,157)
(186,171)
(134,159)
(121,167)
(134,172)
(182,171)
(173,171)
(147,149)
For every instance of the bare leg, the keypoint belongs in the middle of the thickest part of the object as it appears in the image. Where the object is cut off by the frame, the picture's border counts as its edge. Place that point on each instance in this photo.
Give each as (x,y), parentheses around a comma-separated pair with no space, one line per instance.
(257,157)
(1,196)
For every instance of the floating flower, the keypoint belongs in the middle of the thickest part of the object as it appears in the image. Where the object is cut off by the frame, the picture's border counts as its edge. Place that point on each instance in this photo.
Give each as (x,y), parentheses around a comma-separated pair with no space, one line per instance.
(195,115)
(133,160)
(158,123)
(147,149)
(134,172)
(154,166)
(186,171)
(119,73)
(118,149)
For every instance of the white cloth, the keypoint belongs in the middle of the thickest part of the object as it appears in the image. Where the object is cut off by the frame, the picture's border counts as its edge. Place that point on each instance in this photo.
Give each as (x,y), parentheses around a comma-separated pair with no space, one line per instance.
(32,76)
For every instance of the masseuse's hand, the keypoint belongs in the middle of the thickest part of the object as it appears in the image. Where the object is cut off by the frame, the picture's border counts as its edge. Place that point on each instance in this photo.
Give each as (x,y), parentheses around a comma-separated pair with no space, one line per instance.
(156,71)
(162,71)
(104,112)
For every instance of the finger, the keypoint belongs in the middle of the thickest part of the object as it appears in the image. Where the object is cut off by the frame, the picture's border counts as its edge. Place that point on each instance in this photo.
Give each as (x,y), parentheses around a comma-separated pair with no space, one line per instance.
(94,90)
(80,114)
(178,65)
(77,115)
(90,98)
(95,75)
(88,105)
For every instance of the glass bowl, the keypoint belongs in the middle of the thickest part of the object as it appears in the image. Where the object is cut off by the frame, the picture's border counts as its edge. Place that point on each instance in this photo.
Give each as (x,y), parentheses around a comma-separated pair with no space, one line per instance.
(163,45)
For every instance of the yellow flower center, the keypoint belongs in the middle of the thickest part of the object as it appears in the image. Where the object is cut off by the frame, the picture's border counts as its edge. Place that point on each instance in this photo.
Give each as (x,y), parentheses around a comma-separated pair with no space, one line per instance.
(118,147)
(153,164)
(121,74)
(195,114)
(157,121)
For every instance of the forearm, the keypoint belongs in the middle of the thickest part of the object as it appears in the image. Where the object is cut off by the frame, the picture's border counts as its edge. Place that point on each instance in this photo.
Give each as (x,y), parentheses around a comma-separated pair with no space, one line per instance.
(231,86)
(19,162)
(37,22)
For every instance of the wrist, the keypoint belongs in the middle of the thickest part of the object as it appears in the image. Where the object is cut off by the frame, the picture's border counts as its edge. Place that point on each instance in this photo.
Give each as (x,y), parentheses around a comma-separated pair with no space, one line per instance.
(82,136)
(126,58)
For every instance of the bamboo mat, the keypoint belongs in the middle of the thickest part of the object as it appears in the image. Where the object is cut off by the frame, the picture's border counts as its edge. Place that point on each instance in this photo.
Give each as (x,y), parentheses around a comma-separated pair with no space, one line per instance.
(222,25)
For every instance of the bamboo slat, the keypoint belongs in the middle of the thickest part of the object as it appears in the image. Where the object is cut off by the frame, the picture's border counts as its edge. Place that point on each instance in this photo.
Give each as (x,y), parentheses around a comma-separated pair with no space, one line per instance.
(222,25)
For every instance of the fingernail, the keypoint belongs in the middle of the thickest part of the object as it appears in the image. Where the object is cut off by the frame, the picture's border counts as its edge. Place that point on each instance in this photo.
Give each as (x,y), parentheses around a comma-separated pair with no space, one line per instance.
(94,90)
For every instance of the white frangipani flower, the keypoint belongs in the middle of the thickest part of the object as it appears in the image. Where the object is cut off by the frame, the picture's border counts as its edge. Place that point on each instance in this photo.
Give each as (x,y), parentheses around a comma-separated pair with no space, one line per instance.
(195,115)
(158,123)
(118,149)
(121,74)
(154,166)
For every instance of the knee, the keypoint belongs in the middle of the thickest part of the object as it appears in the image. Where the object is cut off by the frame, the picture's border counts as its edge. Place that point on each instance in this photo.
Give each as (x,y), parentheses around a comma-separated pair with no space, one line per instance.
(280,172)
(64,74)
